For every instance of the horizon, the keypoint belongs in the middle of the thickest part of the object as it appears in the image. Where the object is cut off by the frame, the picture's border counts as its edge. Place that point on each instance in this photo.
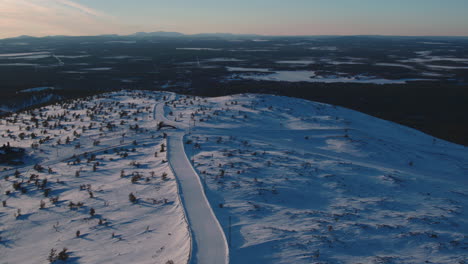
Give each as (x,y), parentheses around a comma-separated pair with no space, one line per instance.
(429,18)
(233,34)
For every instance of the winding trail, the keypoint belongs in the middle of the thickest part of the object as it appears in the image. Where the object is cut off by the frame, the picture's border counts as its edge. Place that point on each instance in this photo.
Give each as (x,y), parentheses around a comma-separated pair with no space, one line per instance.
(209,244)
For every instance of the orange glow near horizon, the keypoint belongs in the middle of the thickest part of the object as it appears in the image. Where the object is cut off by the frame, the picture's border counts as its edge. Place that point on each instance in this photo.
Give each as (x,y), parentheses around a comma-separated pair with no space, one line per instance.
(67,17)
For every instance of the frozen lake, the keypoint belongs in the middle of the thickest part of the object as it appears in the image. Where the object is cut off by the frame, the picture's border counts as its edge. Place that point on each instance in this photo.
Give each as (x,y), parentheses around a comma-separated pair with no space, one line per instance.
(212,49)
(98,69)
(395,65)
(303,62)
(310,76)
(241,69)
(25,54)
(223,60)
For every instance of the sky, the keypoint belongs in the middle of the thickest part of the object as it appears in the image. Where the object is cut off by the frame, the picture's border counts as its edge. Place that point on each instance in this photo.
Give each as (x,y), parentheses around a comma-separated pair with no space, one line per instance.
(265,17)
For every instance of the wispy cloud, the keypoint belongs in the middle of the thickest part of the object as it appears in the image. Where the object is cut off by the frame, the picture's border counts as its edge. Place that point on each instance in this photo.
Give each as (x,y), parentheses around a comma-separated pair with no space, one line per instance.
(52,17)
(82,8)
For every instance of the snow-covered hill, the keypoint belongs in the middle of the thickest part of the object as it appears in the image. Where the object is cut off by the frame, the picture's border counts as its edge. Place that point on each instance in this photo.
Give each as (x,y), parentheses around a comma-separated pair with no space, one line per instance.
(289,180)
(305,182)
(100,151)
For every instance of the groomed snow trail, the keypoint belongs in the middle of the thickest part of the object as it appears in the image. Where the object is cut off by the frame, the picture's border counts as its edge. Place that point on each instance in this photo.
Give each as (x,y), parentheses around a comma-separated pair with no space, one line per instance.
(209,244)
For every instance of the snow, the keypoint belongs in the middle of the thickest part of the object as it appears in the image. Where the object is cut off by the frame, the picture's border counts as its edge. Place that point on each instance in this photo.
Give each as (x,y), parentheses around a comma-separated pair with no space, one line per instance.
(326,48)
(434,43)
(73,56)
(288,76)
(209,244)
(223,60)
(395,65)
(435,58)
(432,74)
(122,42)
(241,69)
(73,72)
(19,64)
(306,182)
(305,62)
(32,57)
(25,54)
(424,52)
(211,49)
(121,57)
(35,99)
(252,50)
(329,61)
(310,76)
(37,89)
(443,67)
(153,230)
(287,180)
(98,69)
(428,61)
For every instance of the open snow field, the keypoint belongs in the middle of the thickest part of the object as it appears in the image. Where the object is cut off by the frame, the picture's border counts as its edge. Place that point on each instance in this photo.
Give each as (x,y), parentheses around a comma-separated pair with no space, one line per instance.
(118,134)
(305,182)
(289,180)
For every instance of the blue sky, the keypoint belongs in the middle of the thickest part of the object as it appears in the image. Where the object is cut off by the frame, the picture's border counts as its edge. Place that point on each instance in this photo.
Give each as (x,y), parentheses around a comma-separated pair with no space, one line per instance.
(272,17)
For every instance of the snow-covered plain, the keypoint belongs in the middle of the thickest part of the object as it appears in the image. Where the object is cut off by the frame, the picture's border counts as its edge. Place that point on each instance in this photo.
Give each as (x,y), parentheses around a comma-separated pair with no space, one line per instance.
(305,182)
(289,180)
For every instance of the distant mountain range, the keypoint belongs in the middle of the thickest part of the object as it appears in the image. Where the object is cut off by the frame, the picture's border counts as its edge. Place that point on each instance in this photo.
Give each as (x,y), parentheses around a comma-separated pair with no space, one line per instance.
(166,34)
(156,34)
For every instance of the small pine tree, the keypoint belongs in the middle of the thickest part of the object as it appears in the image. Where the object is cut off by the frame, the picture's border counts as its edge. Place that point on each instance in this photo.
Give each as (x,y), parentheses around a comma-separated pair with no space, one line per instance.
(52,255)
(63,255)
(18,213)
(132,198)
